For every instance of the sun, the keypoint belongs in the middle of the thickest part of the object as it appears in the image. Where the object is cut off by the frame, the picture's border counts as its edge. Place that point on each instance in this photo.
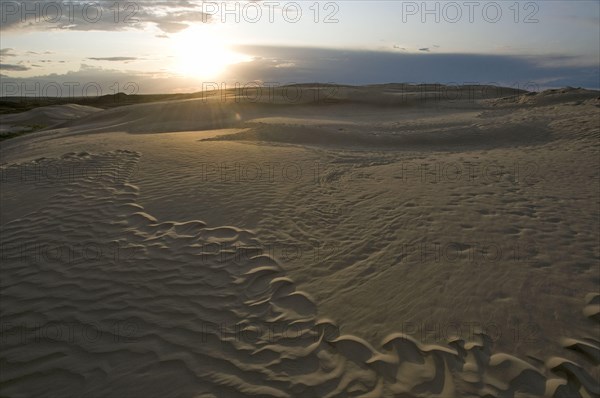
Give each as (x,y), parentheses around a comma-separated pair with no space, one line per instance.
(202,52)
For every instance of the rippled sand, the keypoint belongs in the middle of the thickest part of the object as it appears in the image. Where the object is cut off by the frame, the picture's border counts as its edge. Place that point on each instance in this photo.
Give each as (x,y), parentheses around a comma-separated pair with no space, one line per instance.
(380,245)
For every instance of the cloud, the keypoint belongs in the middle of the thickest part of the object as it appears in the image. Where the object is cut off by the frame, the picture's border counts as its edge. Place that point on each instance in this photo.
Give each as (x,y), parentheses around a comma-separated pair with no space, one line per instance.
(91,80)
(285,65)
(371,67)
(169,16)
(115,59)
(7,52)
(590,20)
(425,49)
(305,65)
(13,68)
(171,27)
(557,61)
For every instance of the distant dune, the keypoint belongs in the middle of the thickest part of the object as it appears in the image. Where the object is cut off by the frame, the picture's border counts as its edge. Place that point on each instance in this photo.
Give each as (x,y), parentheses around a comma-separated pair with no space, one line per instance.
(41,118)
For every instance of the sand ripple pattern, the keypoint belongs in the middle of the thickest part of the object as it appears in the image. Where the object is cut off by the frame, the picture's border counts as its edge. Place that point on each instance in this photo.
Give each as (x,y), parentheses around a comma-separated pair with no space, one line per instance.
(100,299)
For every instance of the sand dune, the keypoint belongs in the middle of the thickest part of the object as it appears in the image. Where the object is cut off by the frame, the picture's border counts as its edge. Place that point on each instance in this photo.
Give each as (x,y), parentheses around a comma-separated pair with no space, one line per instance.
(277,249)
(233,108)
(43,117)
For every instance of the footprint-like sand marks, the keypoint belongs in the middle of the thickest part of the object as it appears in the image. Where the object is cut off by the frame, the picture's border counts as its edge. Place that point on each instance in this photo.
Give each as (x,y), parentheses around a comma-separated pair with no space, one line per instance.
(100,298)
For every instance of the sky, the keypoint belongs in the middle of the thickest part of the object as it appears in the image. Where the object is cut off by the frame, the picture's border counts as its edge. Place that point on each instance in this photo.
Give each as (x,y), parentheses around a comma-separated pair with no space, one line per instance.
(62,48)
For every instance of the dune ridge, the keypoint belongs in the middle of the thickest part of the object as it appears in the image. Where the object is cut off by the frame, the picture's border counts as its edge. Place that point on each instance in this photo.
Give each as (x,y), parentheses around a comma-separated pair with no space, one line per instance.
(42,118)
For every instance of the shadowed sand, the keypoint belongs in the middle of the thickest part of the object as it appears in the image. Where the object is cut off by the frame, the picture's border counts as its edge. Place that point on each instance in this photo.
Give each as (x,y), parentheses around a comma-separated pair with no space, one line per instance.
(387,242)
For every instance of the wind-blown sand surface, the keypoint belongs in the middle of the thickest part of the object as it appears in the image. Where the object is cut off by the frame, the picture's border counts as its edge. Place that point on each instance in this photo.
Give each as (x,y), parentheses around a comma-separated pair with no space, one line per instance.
(379,243)
(42,117)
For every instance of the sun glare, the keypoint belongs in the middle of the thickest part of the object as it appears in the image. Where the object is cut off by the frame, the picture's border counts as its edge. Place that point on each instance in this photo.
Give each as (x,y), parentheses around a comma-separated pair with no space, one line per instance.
(202,52)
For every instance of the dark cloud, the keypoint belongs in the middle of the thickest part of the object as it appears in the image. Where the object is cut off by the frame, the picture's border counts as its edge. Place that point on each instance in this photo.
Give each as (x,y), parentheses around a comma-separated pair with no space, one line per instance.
(113,58)
(371,67)
(425,49)
(7,52)
(13,68)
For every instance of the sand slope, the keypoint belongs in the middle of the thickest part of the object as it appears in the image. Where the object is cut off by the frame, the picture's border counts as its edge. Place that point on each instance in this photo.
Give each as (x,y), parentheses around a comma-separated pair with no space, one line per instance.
(43,117)
(152,265)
